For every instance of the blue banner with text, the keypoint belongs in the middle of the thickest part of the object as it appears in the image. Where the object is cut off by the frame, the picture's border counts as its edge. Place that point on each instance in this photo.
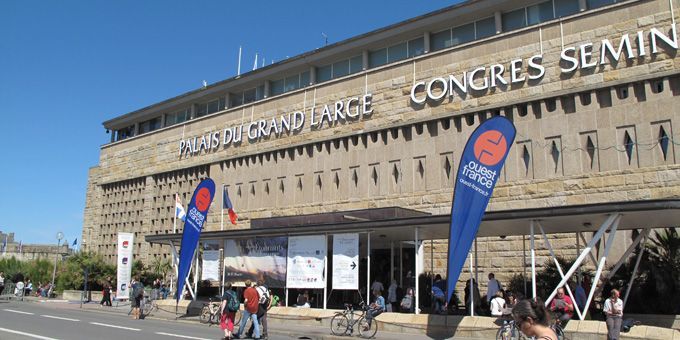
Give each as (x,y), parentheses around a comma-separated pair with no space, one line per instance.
(479,168)
(197,213)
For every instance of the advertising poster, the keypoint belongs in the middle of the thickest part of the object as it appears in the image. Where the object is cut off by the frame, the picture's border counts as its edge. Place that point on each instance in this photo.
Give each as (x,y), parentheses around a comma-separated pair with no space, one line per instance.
(124,265)
(306,255)
(211,261)
(255,259)
(346,261)
(480,167)
(197,214)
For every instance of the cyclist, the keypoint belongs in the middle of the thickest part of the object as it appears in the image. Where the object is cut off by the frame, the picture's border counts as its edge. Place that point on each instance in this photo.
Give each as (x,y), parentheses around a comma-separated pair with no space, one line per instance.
(533,319)
(562,306)
(375,309)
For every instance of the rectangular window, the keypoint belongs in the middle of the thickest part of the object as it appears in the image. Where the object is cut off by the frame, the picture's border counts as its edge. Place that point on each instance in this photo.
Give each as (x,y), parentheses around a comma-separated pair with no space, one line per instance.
(236,99)
(201,110)
(564,8)
(259,93)
(125,133)
(440,40)
(599,3)
(377,58)
(341,68)
(222,103)
(356,64)
(292,83)
(485,27)
(213,106)
(397,52)
(416,47)
(514,20)
(304,79)
(150,125)
(539,13)
(324,73)
(276,87)
(463,34)
(249,96)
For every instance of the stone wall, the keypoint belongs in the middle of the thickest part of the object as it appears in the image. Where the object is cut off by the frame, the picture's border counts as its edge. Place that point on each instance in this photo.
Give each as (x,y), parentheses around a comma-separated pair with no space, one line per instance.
(591,136)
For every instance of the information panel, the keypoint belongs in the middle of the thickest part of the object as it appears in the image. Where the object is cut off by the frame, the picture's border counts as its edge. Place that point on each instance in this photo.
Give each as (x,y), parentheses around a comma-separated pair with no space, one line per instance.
(306,256)
(256,259)
(124,264)
(211,261)
(346,261)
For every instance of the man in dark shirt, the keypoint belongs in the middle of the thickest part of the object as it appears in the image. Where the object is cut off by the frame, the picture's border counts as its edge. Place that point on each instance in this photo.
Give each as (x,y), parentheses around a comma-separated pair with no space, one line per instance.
(251,301)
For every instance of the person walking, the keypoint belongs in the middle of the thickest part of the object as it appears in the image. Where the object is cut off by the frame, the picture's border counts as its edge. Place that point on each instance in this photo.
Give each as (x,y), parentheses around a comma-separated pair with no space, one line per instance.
(2,282)
(264,303)
(492,287)
(228,309)
(251,302)
(137,297)
(613,309)
(392,296)
(106,295)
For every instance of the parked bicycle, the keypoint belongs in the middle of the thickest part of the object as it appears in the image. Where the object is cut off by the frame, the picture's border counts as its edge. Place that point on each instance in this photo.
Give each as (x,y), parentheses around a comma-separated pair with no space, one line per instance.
(557,328)
(211,311)
(344,322)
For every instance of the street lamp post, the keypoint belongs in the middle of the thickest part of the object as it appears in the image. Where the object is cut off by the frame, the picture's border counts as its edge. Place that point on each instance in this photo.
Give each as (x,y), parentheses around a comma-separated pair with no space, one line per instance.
(60,236)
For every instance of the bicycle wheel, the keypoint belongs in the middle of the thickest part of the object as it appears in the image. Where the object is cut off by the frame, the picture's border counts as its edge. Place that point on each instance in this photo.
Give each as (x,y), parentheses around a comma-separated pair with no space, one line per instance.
(205,314)
(367,331)
(339,324)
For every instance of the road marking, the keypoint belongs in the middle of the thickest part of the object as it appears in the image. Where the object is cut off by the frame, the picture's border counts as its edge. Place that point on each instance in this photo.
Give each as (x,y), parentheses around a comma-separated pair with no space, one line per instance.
(114,326)
(17,311)
(59,318)
(181,336)
(26,334)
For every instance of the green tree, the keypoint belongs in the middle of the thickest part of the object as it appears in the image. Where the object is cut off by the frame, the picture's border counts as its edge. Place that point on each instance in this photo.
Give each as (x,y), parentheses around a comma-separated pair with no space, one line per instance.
(13,268)
(160,267)
(71,274)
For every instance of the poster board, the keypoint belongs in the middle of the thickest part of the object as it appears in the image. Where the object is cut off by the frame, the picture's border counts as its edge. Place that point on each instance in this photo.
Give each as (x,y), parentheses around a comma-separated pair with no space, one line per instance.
(124,265)
(306,261)
(255,259)
(346,261)
(211,261)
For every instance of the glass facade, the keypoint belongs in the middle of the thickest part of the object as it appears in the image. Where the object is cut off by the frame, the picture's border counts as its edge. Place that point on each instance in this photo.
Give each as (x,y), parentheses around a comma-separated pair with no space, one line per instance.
(539,13)
(514,20)
(599,3)
(564,8)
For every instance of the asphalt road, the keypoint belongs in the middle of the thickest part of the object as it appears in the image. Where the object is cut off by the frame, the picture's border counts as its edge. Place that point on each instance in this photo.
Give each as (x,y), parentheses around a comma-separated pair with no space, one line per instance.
(21,321)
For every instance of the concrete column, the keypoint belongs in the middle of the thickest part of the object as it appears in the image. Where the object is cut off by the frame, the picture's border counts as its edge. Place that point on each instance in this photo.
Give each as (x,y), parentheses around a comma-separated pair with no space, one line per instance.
(163,120)
(426,42)
(136,131)
(312,75)
(267,85)
(364,59)
(582,5)
(227,100)
(499,21)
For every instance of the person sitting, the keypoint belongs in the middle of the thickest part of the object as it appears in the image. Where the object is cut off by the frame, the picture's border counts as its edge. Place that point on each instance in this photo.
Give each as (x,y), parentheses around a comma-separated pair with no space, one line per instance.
(406,305)
(29,288)
(562,306)
(303,300)
(374,309)
(497,304)
(438,295)
(19,288)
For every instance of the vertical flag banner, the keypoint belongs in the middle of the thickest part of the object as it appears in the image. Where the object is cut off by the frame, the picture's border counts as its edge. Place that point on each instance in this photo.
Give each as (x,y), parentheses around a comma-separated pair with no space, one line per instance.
(479,168)
(226,204)
(179,210)
(197,212)
(124,264)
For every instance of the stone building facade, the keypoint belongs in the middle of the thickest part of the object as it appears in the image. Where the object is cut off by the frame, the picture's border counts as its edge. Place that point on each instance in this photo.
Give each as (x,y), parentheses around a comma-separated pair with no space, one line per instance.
(26,252)
(602,132)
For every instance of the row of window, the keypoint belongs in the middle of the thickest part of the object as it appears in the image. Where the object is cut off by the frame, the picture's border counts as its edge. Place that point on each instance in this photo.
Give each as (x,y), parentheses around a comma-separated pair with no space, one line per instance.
(479,29)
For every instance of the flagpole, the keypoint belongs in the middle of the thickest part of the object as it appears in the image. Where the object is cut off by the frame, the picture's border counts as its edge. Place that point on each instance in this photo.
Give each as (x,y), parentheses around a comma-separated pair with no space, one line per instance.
(174,231)
(222,214)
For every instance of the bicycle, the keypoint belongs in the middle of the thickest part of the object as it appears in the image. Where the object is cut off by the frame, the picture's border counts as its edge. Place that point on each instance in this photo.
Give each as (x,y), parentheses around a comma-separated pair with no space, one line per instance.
(510,331)
(343,323)
(211,311)
(557,328)
(146,306)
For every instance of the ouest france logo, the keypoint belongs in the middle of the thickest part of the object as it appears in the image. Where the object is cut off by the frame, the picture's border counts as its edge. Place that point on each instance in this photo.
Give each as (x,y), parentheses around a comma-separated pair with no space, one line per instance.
(489,150)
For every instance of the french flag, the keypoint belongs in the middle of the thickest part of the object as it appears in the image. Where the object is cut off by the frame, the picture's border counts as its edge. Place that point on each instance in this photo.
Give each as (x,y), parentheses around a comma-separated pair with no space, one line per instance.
(226,204)
(179,210)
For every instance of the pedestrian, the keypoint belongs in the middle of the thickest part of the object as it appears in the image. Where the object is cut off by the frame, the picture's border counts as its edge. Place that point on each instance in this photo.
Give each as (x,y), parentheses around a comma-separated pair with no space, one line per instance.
(106,295)
(377,286)
(250,301)
(2,282)
(492,287)
(497,304)
(406,304)
(438,294)
(392,297)
(533,319)
(137,297)
(374,309)
(264,303)
(475,299)
(228,309)
(613,309)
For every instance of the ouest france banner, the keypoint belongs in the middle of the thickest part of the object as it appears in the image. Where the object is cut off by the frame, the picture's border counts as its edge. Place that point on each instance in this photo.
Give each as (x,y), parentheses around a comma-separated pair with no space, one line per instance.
(197,213)
(478,171)
(124,265)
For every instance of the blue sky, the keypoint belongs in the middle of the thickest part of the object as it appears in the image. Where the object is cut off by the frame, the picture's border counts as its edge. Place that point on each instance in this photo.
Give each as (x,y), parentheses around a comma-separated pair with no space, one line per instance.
(67,66)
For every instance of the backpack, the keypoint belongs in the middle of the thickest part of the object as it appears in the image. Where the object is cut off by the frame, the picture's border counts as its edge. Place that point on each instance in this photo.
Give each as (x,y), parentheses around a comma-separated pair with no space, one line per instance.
(233,305)
(406,302)
(138,290)
(264,295)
